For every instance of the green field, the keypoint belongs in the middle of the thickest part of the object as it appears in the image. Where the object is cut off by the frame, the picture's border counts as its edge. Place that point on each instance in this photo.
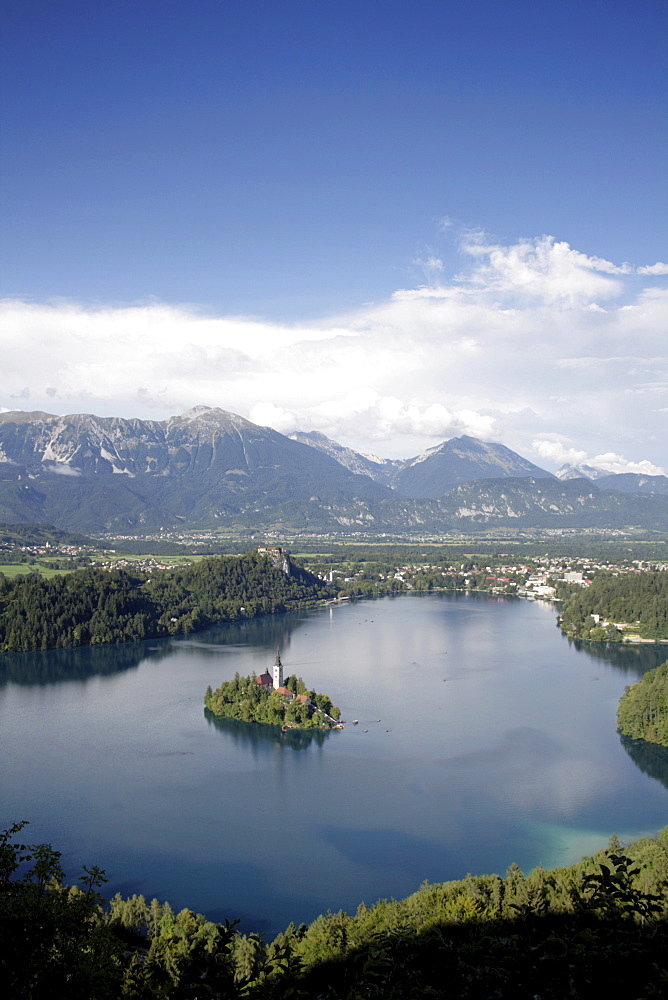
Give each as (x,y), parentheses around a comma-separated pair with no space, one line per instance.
(23,569)
(100,559)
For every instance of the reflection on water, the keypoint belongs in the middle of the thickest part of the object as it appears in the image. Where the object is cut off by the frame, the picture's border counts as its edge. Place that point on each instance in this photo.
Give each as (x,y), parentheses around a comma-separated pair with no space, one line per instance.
(81,663)
(651,758)
(48,666)
(267,632)
(629,658)
(253,736)
(498,740)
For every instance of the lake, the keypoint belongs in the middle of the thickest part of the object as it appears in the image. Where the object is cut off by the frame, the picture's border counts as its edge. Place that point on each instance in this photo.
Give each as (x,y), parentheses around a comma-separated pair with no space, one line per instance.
(484,737)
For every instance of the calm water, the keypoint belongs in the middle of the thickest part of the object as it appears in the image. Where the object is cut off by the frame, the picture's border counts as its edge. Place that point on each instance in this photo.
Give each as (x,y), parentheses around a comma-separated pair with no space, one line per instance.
(496,743)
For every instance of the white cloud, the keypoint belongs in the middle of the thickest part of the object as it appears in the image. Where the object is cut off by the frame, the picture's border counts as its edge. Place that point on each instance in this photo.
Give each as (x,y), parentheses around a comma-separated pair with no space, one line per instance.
(268,414)
(61,470)
(542,269)
(432,268)
(557,451)
(515,348)
(658,268)
(388,416)
(618,464)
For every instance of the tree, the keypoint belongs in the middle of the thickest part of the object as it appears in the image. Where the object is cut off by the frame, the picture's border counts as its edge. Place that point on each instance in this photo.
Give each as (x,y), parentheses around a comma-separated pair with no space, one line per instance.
(55,940)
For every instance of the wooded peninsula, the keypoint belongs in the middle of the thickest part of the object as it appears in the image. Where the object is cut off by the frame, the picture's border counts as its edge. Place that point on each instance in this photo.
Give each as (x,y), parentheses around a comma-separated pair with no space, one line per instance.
(123,598)
(612,607)
(643,709)
(95,606)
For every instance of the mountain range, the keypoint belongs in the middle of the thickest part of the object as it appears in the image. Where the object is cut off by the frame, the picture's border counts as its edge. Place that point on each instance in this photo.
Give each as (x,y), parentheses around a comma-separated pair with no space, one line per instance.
(210,468)
(623,482)
(435,471)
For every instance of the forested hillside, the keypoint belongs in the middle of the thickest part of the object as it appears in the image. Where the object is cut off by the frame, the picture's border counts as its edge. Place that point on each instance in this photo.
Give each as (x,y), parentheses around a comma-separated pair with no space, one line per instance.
(632,598)
(39,534)
(94,606)
(595,929)
(643,710)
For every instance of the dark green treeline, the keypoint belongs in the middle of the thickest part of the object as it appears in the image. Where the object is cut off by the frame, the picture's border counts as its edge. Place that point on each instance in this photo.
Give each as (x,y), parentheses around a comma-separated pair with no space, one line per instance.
(595,929)
(97,606)
(628,598)
(643,709)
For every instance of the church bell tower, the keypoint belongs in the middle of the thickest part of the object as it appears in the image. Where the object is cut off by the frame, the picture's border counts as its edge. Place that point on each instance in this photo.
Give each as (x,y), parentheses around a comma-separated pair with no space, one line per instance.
(278,671)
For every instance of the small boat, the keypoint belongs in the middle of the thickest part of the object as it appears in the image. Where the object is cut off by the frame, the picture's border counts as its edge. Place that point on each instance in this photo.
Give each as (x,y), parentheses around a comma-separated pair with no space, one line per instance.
(356,722)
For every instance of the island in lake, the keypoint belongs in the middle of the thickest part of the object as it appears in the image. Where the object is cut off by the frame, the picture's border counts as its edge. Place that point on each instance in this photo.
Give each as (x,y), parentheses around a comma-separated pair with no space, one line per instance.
(269,700)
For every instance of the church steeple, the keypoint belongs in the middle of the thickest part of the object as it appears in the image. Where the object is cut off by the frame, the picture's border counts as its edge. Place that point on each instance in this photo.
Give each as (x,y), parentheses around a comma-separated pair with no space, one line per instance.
(278,671)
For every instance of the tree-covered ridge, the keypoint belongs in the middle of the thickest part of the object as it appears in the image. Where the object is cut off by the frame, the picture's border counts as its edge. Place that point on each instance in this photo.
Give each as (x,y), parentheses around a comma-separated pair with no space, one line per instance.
(39,534)
(61,940)
(552,934)
(643,710)
(636,599)
(246,700)
(595,929)
(94,606)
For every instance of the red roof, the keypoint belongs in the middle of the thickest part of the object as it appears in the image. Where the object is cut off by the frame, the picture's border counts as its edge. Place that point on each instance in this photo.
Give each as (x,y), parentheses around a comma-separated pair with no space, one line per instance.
(265,678)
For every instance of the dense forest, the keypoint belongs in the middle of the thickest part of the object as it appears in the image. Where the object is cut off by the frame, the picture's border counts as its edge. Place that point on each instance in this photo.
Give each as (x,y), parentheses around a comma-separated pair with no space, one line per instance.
(638,599)
(246,700)
(94,606)
(643,709)
(595,929)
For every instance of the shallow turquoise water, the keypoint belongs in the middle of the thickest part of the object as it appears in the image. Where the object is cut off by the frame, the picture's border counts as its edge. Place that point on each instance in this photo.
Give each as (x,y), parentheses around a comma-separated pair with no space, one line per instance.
(496,743)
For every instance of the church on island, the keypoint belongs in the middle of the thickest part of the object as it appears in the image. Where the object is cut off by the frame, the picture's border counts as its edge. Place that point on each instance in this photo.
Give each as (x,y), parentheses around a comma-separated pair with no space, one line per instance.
(250,699)
(275,682)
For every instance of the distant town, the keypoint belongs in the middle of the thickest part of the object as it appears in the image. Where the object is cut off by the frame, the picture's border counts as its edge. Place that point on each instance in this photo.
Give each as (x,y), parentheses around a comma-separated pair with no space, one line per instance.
(374,568)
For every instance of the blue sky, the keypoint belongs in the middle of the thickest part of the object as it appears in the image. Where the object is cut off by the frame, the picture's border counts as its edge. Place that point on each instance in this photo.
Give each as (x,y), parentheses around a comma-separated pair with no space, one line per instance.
(335,215)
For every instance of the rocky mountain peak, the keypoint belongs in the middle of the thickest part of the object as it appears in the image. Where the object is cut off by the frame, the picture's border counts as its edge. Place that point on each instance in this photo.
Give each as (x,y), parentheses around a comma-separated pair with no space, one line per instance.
(193,413)
(212,467)
(581,471)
